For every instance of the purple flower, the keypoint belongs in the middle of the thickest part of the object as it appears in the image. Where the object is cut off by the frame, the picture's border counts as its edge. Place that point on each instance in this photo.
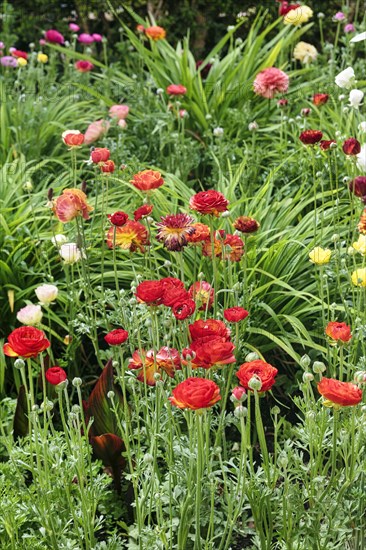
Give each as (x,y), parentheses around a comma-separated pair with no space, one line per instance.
(349,28)
(8,61)
(339,16)
(85,38)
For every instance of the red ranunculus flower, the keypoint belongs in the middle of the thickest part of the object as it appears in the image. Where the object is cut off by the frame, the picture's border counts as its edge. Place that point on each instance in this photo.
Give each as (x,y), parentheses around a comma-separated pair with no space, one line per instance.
(83,66)
(343,394)
(26,342)
(320,99)
(358,187)
(107,167)
(339,332)
(155,32)
(100,154)
(233,248)
(212,351)
(73,138)
(55,375)
(147,180)
(182,309)
(310,137)
(351,146)
(169,282)
(131,236)
(209,202)
(173,294)
(176,89)
(245,224)
(203,294)
(19,53)
(235,314)
(142,211)
(201,233)
(325,144)
(150,293)
(285,7)
(207,330)
(258,368)
(195,393)
(116,337)
(166,359)
(118,218)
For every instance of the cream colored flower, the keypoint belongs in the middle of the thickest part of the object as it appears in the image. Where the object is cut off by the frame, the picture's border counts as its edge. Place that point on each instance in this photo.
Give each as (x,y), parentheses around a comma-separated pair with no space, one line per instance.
(359,277)
(305,53)
(320,256)
(360,245)
(30,315)
(298,16)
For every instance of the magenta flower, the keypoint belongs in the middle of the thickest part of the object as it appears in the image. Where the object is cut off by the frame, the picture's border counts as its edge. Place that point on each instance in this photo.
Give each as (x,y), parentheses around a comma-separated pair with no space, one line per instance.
(54,37)
(85,38)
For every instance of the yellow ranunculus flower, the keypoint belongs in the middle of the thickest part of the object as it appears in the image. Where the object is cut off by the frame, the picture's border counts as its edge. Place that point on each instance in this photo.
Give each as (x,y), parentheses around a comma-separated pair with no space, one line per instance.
(22,62)
(305,53)
(42,57)
(320,256)
(359,277)
(298,16)
(360,245)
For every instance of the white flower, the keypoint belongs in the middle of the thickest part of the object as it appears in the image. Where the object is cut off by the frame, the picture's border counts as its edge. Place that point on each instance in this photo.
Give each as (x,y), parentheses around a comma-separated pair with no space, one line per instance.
(355,98)
(346,78)
(362,126)
(253,126)
(218,132)
(361,158)
(70,253)
(359,37)
(59,239)
(46,293)
(30,315)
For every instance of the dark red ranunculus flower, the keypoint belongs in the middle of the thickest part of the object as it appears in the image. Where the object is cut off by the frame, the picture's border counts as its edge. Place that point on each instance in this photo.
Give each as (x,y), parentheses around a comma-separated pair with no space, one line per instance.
(142,212)
(118,218)
(325,144)
(108,166)
(209,202)
(55,375)
(358,187)
(205,70)
(212,351)
(173,294)
(245,224)
(310,137)
(182,309)
(19,53)
(285,7)
(235,314)
(116,337)
(211,328)
(351,146)
(282,102)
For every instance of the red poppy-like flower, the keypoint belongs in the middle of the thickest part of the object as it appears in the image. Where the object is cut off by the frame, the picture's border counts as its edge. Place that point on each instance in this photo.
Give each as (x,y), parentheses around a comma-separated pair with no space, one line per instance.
(70,204)
(55,375)
(235,314)
(182,309)
(155,32)
(131,236)
(19,53)
(260,369)
(325,144)
(207,330)
(270,82)
(149,364)
(209,202)
(83,66)
(26,342)
(173,294)
(358,187)
(173,231)
(118,218)
(150,293)
(351,146)
(285,7)
(142,211)
(54,37)
(209,352)
(171,282)
(195,393)
(147,180)
(100,154)
(340,332)
(320,99)
(310,137)
(245,224)
(176,89)
(73,138)
(116,337)
(201,233)
(107,167)
(343,394)
(203,294)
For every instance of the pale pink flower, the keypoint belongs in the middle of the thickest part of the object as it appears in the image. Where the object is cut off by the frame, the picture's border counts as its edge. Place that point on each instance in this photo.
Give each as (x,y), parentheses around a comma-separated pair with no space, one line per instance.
(270,82)
(119,111)
(95,131)
(30,315)
(46,293)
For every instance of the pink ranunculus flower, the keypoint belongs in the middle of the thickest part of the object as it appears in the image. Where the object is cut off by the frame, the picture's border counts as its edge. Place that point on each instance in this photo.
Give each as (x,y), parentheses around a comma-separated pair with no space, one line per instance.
(85,38)
(95,131)
(119,111)
(270,82)
(30,315)
(83,66)
(122,123)
(54,37)
(97,37)
(46,293)
(74,27)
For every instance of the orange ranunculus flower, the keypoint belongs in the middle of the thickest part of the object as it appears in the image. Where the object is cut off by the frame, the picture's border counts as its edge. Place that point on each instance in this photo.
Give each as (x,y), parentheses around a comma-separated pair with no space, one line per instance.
(226,247)
(201,233)
(166,359)
(209,202)
(340,332)
(26,342)
(260,369)
(70,204)
(73,138)
(211,328)
(337,393)
(209,352)
(131,236)
(107,167)
(195,393)
(155,32)
(147,180)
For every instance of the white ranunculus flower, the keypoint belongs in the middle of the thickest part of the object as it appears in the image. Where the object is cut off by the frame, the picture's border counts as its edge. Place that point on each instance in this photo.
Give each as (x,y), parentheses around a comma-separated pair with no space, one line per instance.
(361,158)
(46,293)
(70,253)
(30,315)
(346,78)
(362,126)
(359,37)
(355,98)
(59,239)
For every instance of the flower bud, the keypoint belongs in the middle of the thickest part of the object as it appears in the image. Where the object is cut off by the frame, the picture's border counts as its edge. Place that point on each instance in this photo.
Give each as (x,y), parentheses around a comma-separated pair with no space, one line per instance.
(77,382)
(148,458)
(305,361)
(110,394)
(319,367)
(255,383)
(76,408)
(46,405)
(19,364)
(240,412)
(307,377)
(238,394)
(275,410)
(251,357)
